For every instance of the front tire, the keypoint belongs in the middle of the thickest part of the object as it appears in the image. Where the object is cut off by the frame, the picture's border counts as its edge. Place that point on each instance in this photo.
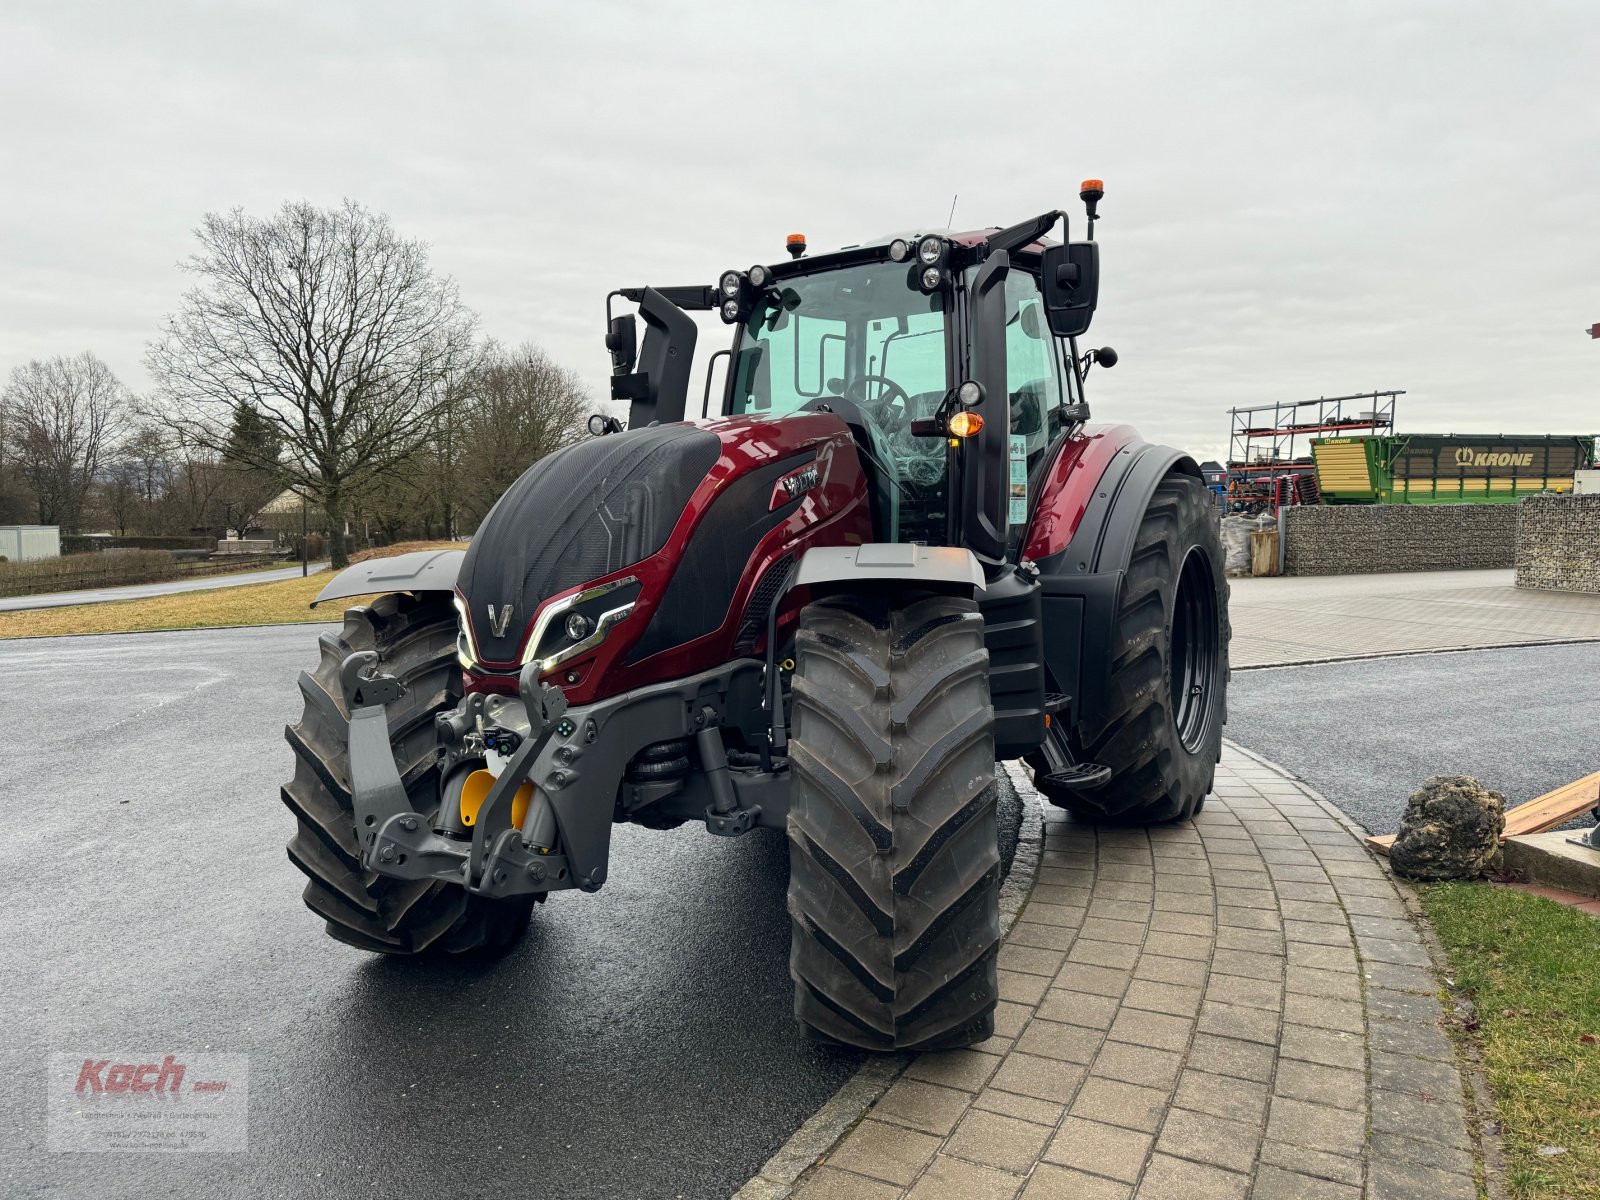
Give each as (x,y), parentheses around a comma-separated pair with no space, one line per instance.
(415,640)
(894,861)
(1162,731)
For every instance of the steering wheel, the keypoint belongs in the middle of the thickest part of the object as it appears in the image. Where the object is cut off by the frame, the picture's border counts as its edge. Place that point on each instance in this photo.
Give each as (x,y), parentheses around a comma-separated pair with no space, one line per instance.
(892,392)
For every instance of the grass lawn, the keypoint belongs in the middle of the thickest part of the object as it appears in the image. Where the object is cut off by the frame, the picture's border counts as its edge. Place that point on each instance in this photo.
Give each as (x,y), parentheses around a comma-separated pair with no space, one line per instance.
(285,602)
(1533,969)
(249,604)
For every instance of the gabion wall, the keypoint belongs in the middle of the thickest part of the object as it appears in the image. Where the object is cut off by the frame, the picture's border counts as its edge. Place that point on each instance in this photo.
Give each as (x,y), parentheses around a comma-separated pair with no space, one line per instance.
(1352,539)
(1558,543)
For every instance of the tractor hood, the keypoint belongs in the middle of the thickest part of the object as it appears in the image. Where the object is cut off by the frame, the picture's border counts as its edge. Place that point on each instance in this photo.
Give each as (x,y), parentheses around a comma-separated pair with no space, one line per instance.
(578,514)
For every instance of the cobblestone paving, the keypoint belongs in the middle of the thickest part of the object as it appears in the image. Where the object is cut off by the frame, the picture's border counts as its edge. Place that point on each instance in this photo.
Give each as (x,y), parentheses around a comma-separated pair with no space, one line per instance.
(1238,1007)
(1277,621)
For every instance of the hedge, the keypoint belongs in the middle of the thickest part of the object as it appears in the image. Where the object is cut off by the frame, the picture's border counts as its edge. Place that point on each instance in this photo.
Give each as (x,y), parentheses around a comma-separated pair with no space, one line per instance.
(77,544)
(74,571)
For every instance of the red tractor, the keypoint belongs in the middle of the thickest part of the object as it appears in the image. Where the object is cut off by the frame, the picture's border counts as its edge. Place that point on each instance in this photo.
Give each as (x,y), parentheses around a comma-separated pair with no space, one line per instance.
(897,555)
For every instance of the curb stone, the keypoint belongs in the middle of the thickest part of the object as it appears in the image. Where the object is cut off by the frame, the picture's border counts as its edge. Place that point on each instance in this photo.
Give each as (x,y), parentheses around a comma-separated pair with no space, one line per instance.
(1347,658)
(1487,1148)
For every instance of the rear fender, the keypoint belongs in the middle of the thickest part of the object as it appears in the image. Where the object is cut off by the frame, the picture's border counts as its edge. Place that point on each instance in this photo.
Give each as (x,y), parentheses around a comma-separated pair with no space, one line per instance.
(1082,537)
(419,571)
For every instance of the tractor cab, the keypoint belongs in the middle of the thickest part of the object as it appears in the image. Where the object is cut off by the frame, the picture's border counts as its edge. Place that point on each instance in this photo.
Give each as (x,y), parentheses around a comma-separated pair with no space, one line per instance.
(950,356)
(869,341)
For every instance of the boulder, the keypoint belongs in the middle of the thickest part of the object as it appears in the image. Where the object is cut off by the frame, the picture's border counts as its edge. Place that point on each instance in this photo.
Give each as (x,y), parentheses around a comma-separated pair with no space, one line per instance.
(1451,830)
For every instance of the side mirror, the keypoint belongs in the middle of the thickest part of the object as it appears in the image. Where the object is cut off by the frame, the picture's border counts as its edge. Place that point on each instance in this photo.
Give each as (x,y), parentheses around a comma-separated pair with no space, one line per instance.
(1071,277)
(622,339)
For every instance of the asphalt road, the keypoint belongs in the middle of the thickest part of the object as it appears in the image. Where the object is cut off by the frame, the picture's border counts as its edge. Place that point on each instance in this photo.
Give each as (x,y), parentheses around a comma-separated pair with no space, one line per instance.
(637,1043)
(1367,734)
(143,591)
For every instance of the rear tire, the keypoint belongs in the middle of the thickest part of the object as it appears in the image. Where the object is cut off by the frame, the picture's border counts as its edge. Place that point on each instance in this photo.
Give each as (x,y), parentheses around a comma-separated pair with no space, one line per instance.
(1160,737)
(415,639)
(895,908)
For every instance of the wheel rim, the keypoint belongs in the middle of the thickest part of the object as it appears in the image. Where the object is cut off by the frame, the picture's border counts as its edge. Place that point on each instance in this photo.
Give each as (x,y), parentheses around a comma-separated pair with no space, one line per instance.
(1193,663)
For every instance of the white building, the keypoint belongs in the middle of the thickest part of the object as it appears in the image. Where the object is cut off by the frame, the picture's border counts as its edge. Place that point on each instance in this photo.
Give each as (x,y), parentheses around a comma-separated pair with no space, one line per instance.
(19,543)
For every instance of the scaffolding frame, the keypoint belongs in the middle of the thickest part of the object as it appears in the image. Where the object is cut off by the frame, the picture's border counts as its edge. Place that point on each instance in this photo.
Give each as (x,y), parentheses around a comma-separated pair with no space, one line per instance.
(1255,444)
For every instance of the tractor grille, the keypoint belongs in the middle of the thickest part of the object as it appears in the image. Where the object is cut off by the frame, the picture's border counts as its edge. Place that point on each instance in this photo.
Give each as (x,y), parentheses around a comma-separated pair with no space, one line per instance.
(762,599)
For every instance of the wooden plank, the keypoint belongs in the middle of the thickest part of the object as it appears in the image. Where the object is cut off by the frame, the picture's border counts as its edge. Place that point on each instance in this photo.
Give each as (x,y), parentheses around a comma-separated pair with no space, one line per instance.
(1554,808)
(1539,815)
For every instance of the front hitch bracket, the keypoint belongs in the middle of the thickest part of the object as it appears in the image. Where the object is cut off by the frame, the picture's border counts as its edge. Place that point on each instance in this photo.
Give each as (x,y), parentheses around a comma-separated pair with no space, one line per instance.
(398,841)
(377,793)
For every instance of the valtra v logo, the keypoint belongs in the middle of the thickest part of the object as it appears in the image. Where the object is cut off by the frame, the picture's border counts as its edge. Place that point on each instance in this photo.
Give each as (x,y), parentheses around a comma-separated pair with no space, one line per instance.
(1468,457)
(499,620)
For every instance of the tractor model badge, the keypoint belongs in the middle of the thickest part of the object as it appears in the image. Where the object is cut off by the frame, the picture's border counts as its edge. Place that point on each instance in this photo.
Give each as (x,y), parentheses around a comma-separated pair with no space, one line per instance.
(498,620)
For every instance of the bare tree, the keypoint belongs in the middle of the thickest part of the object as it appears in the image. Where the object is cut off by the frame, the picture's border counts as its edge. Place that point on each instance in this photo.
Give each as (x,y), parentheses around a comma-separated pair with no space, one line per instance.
(149,457)
(191,504)
(15,499)
(119,496)
(135,482)
(64,416)
(330,326)
(518,406)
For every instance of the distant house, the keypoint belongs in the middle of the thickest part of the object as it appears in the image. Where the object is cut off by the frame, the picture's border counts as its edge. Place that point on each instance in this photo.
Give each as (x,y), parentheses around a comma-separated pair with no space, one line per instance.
(284,503)
(283,514)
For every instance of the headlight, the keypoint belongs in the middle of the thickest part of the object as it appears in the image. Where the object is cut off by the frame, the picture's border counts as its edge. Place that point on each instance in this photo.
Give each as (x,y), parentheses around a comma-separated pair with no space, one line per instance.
(930,251)
(932,277)
(465,650)
(576,624)
(757,276)
(899,250)
(730,311)
(730,284)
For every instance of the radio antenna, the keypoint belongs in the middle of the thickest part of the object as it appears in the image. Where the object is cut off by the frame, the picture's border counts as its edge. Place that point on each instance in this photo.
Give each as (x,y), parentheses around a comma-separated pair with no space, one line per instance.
(950,222)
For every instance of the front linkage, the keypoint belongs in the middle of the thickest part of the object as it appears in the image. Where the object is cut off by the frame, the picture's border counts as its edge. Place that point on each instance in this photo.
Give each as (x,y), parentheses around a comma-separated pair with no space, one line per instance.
(498,861)
(574,760)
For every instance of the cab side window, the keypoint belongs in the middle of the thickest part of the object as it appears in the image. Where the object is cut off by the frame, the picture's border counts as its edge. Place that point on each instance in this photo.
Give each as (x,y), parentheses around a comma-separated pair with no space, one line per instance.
(1033,384)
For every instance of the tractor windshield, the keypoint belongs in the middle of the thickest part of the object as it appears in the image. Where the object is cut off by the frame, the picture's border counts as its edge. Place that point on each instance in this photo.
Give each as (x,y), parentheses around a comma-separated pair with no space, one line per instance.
(865,334)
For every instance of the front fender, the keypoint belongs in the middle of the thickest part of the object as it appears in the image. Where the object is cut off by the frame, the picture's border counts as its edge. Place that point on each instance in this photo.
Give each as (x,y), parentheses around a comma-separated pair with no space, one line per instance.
(910,563)
(419,571)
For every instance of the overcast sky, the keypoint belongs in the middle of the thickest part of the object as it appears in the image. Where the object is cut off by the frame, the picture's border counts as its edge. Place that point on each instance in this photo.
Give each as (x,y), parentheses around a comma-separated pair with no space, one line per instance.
(1302,199)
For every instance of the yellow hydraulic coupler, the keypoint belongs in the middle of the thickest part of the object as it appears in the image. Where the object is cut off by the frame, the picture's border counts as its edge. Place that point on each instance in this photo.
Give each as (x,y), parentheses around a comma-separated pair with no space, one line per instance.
(475,789)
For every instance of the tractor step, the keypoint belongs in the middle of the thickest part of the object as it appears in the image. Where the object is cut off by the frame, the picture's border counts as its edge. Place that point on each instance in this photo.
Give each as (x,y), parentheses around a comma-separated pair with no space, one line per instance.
(1054,702)
(1080,777)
